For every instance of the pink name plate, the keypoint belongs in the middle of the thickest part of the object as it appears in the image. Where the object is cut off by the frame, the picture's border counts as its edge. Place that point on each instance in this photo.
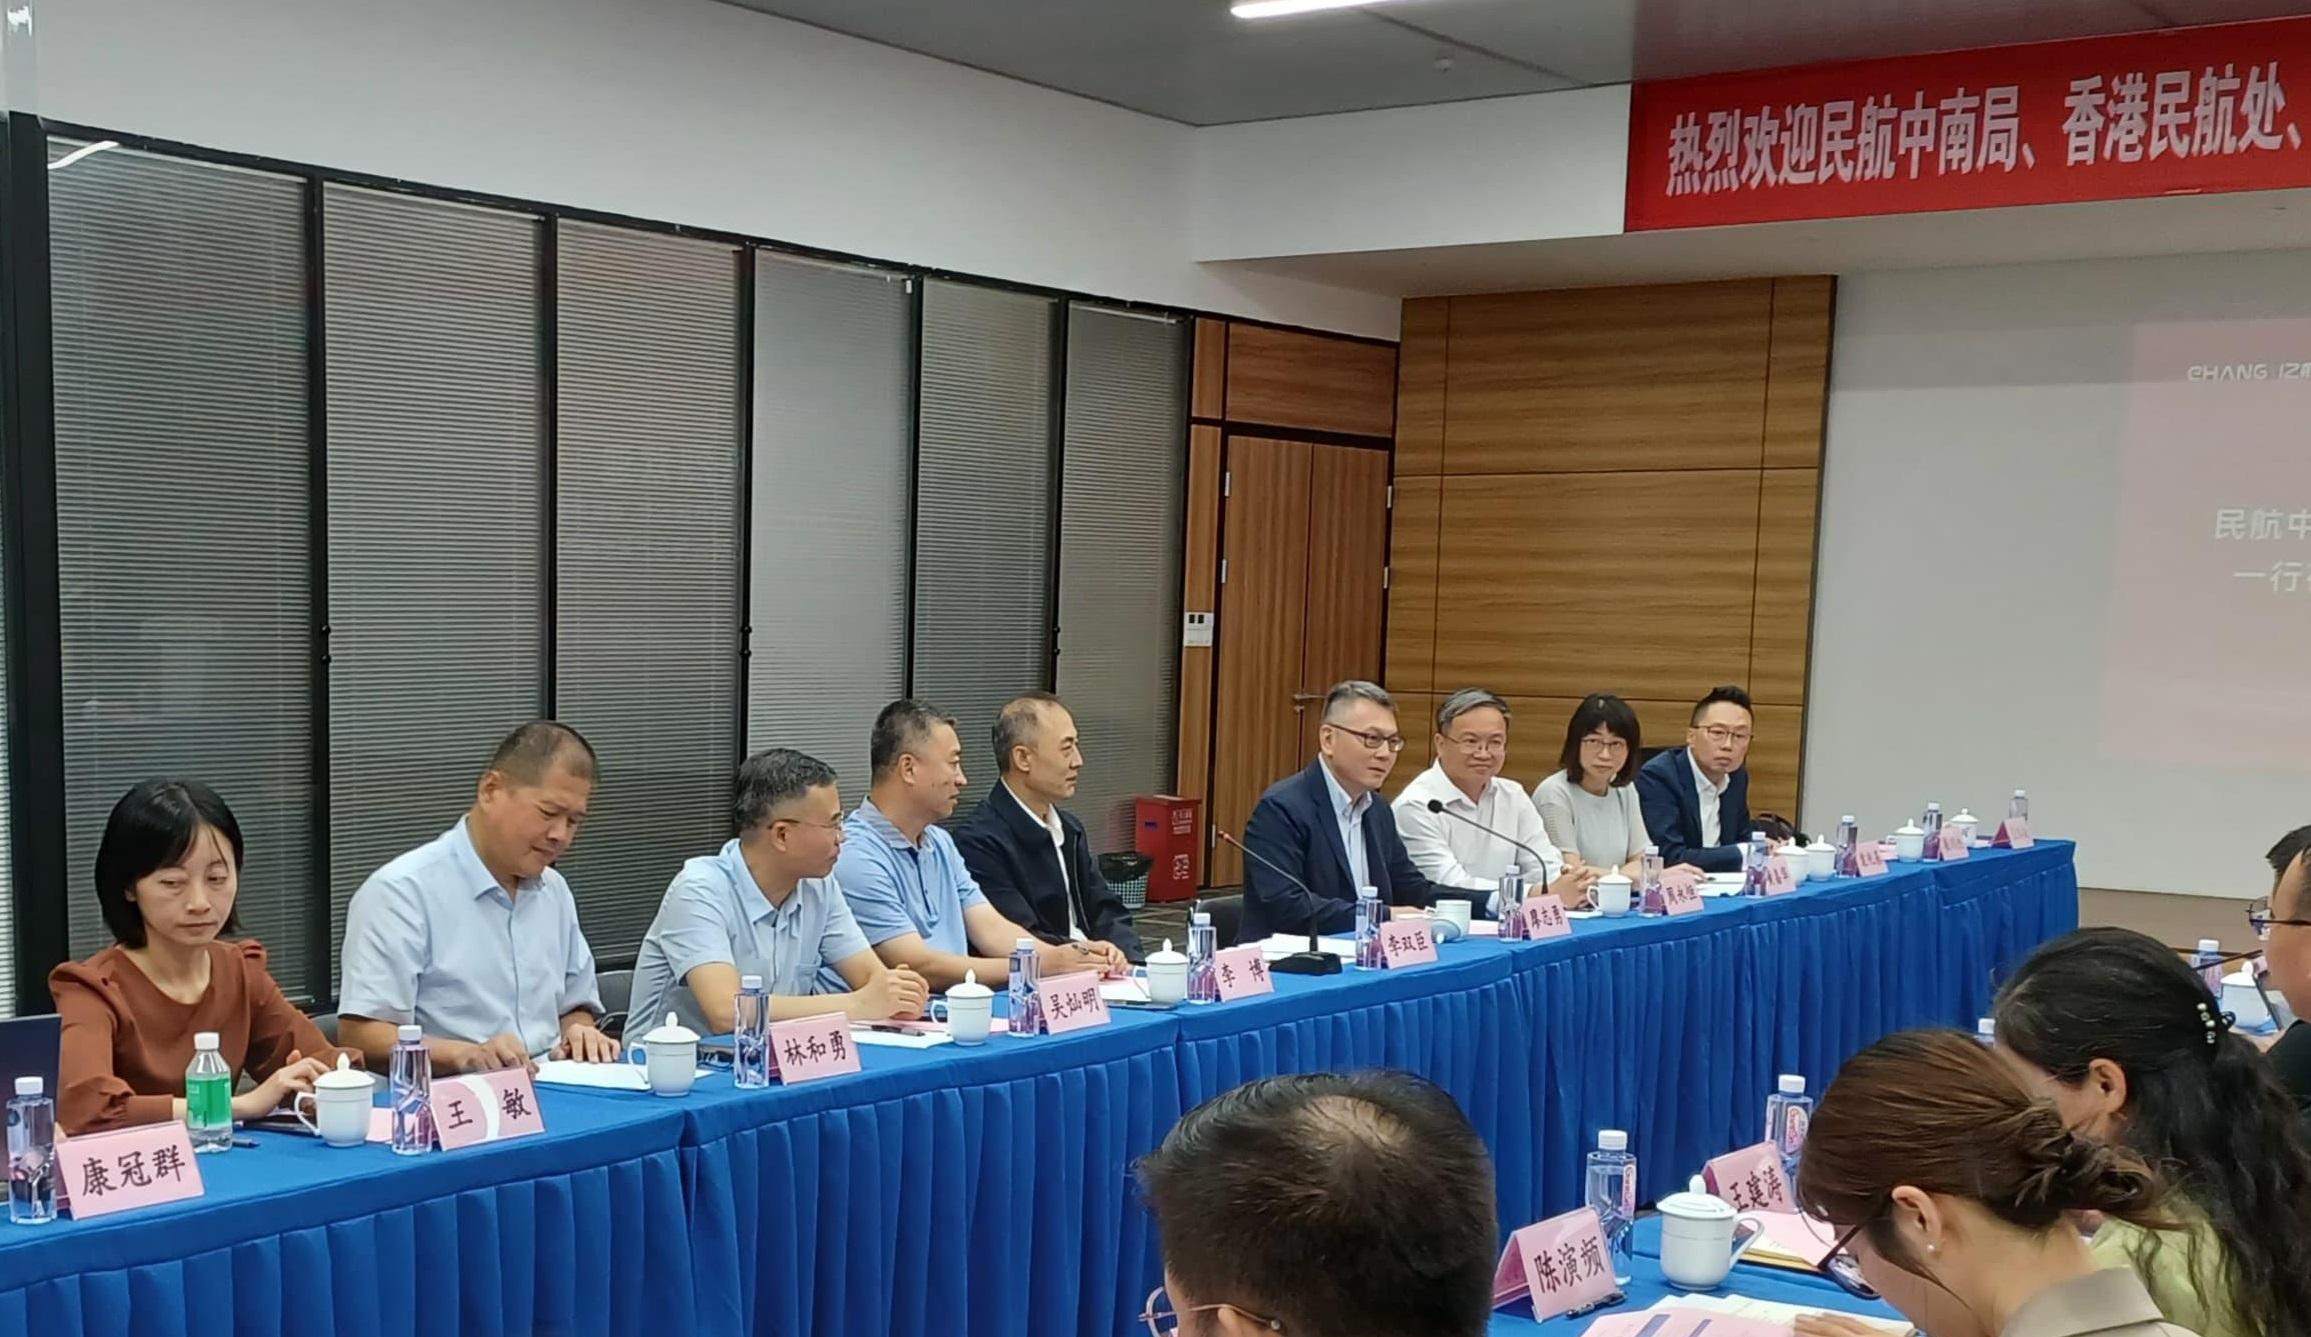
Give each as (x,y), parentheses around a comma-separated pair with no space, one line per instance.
(1751,1179)
(2013,834)
(1072,1002)
(1544,916)
(1950,843)
(807,1049)
(1242,972)
(1405,942)
(98,1174)
(1869,860)
(484,1107)
(1559,1262)
(1680,896)
(1778,879)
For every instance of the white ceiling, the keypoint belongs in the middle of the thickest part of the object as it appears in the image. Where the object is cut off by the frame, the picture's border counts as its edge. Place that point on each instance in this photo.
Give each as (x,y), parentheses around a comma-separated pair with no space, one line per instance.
(2256,221)
(1194,62)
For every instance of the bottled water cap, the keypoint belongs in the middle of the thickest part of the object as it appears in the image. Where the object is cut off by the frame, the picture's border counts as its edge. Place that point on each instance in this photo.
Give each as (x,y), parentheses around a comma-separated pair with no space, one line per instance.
(1792,1084)
(750,981)
(204,1039)
(409,1035)
(2022,793)
(1023,945)
(2211,945)
(1201,918)
(28,1086)
(1986,1026)
(1847,819)
(1612,1139)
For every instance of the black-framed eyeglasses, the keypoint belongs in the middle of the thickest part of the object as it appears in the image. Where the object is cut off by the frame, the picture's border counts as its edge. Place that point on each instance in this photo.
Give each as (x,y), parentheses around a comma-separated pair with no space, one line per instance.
(1163,1321)
(2259,919)
(1841,1267)
(1390,742)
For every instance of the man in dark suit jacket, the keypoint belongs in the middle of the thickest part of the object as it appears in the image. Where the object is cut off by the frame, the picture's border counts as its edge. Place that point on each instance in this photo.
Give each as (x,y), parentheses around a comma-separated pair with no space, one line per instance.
(1330,828)
(1028,854)
(1706,830)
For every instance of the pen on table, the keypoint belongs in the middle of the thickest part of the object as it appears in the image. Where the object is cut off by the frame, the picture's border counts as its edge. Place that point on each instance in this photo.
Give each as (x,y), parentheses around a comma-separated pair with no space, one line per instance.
(244,1142)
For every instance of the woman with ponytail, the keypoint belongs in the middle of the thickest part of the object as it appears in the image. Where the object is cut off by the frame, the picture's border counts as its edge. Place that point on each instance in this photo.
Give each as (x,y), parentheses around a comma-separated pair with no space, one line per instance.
(2130,1045)
(1951,1185)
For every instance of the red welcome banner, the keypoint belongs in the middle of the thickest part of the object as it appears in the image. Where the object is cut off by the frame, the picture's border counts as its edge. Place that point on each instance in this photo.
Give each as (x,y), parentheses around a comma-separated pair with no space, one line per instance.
(2179,111)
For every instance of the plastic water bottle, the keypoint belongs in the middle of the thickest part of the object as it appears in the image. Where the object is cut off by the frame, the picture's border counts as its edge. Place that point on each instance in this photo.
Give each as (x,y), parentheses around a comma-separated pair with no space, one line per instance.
(1505,903)
(2019,805)
(1026,1009)
(31,1155)
(410,1082)
(1848,846)
(2208,961)
(1649,896)
(750,1034)
(209,1096)
(1368,920)
(1203,947)
(1612,1193)
(1753,864)
(1931,823)
(1986,1030)
(1788,1113)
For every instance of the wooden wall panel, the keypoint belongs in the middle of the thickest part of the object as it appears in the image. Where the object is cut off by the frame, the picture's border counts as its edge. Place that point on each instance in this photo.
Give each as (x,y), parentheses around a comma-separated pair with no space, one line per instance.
(1262,611)
(1608,379)
(1781,625)
(1413,534)
(1283,378)
(1347,552)
(1797,378)
(1773,760)
(1561,585)
(1199,592)
(1208,395)
(1416,719)
(1420,368)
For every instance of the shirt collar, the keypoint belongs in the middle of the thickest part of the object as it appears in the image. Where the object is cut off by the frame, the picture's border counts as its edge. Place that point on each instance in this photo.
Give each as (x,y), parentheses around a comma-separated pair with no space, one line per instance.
(872,818)
(1434,783)
(479,879)
(758,906)
(1341,806)
(1050,823)
(2098,1302)
(1702,781)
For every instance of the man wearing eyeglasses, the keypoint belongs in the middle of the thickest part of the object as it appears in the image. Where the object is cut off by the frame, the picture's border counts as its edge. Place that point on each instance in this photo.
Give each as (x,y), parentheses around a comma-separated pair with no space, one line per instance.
(907,883)
(1328,828)
(767,904)
(1456,849)
(1323,1203)
(2284,925)
(1696,798)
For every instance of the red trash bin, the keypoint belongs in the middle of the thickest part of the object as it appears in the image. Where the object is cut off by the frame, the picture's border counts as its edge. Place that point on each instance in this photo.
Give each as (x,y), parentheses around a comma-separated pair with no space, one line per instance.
(1164,829)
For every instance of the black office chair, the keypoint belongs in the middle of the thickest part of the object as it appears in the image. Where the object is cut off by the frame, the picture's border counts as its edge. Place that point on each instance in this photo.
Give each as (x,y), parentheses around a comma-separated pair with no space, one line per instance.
(1227,914)
(617,998)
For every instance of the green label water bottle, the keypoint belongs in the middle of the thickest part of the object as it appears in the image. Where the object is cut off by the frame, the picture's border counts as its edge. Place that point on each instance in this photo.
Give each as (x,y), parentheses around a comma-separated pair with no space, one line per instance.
(209,1096)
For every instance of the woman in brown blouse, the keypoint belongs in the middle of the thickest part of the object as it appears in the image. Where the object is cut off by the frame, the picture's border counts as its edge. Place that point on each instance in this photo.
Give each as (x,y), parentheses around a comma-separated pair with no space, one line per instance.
(166,876)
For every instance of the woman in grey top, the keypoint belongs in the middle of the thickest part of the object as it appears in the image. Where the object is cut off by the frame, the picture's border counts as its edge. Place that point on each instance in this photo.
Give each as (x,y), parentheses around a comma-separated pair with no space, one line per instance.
(1588,804)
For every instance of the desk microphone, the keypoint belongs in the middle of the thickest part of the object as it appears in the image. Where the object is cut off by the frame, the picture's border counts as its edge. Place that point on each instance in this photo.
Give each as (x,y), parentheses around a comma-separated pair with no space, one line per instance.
(1314,961)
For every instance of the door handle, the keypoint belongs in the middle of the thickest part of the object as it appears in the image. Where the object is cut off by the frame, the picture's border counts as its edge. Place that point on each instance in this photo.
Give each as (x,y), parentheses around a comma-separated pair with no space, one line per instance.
(1301,700)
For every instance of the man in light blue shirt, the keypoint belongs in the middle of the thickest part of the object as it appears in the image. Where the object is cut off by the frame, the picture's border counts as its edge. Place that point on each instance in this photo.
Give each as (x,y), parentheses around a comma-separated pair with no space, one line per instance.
(905,880)
(473,935)
(767,905)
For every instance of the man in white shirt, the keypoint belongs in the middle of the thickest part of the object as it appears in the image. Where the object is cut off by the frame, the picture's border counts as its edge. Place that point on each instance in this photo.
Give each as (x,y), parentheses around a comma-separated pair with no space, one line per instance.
(1458,847)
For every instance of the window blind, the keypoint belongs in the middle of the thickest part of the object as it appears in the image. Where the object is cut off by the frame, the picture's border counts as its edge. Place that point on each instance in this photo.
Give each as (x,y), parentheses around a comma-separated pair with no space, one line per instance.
(1124,493)
(982,593)
(182,475)
(436,520)
(647,468)
(833,441)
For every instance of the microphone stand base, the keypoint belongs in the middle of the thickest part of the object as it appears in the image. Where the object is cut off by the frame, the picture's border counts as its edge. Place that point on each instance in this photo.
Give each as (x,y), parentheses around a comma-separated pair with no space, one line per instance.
(1305,963)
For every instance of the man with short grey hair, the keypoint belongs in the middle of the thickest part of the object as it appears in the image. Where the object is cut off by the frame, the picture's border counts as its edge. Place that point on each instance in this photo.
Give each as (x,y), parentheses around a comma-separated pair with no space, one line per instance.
(1327,830)
(1449,815)
(767,904)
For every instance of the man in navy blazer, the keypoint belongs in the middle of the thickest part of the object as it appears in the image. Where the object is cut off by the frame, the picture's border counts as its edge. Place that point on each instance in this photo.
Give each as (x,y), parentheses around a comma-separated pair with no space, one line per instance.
(1028,854)
(1329,828)
(1696,798)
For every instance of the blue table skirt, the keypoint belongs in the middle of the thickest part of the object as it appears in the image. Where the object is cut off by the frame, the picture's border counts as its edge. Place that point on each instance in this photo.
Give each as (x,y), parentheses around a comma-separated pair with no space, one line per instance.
(545,1235)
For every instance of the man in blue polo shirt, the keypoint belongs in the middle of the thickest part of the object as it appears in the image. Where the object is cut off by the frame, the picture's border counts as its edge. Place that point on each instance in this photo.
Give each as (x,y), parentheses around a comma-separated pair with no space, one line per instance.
(767,905)
(905,880)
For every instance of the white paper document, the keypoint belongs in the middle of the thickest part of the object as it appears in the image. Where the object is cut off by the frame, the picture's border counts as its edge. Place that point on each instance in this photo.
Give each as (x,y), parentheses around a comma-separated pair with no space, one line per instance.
(868,1035)
(1768,1311)
(593,1076)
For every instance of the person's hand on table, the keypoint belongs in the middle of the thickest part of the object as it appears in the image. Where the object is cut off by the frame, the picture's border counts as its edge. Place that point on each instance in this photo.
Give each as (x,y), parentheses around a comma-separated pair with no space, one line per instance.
(1111,958)
(584,1041)
(1066,958)
(1576,886)
(497,1052)
(1834,1325)
(896,994)
(294,1077)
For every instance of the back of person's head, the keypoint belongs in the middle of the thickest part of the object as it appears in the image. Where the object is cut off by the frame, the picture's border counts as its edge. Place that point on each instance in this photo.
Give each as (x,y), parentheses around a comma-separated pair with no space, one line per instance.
(524,756)
(152,827)
(1937,1112)
(770,780)
(1355,1205)
(2199,1102)
(902,727)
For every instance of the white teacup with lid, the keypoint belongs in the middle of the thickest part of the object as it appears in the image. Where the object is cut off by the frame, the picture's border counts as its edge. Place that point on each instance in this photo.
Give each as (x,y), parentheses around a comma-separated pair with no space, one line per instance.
(970,1010)
(1821,861)
(670,1057)
(1167,975)
(1967,823)
(341,1102)
(1613,894)
(1909,842)
(1699,1244)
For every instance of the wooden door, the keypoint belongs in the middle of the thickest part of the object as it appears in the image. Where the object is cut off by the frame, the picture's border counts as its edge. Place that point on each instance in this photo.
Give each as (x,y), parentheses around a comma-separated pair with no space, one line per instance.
(1259,632)
(1347,565)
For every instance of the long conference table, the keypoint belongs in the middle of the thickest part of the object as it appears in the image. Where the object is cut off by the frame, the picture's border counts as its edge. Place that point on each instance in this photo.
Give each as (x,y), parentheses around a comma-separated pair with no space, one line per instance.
(989,1190)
